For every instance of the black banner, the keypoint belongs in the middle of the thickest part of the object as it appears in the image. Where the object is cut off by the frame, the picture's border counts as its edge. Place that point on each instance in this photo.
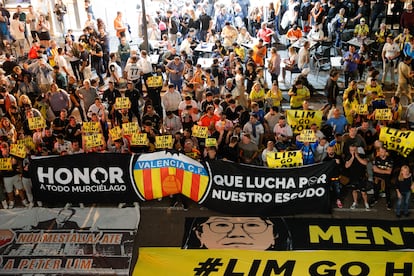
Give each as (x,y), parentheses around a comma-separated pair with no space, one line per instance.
(278,233)
(86,178)
(250,190)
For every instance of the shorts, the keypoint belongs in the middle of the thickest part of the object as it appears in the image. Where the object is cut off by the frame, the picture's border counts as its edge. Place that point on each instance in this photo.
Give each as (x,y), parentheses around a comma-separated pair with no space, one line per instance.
(44,36)
(20,43)
(359,185)
(12,181)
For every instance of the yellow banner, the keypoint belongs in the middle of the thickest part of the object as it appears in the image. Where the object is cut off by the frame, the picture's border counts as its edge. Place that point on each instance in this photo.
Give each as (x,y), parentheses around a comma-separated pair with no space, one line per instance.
(18,150)
(116,133)
(383,114)
(94,140)
(121,103)
(362,109)
(303,119)
(401,141)
(130,128)
(211,142)
(164,142)
(285,159)
(27,141)
(36,123)
(5,164)
(91,127)
(200,131)
(154,81)
(139,139)
(176,261)
(307,135)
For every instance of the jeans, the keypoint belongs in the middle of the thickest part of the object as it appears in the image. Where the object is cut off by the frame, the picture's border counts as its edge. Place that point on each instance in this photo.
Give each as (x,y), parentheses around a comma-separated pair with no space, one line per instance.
(178,84)
(403,203)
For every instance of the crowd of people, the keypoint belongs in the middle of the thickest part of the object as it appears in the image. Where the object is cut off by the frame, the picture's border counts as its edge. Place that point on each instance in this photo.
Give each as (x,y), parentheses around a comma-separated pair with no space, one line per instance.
(233,99)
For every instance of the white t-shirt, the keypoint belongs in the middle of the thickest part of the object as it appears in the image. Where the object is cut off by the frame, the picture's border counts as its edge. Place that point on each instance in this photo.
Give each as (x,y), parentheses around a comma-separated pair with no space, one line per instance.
(15,29)
(133,71)
(391,49)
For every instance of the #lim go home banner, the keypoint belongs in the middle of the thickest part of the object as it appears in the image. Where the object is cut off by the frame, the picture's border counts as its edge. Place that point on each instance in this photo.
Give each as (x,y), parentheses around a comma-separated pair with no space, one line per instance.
(218,185)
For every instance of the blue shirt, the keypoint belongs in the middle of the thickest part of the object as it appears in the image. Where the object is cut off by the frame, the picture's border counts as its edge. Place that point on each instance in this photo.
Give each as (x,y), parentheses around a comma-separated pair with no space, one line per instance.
(351,66)
(338,124)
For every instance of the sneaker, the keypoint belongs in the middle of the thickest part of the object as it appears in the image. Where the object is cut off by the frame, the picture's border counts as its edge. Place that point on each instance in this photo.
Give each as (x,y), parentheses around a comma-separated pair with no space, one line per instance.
(354,205)
(389,207)
(4,203)
(68,205)
(81,205)
(367,206)
(121,205)
(25,203)
(339,203)
(31,205)
(11,204)
(398,215)
(40,204)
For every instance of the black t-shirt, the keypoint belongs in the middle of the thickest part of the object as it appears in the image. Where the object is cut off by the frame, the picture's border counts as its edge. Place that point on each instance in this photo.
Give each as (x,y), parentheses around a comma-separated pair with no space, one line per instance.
(84,56)
(97,48)
(383,164)
(70,133)
(357,170)
(57,122)
(204,21)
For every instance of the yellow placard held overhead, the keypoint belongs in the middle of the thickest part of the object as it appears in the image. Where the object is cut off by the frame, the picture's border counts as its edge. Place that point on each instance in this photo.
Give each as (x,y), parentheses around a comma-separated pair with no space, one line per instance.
(18,150)
(164,142)
(384,114)
(401,141)
(116,133)
(303,119)
(93,140)
(36,123)
(121,102)
(5,164)
(285,159)
(27,141)
(200,131)
(211,142)
(130,128)
(139,139)
(154,81)
(91,127)
(362,109)
(308,135)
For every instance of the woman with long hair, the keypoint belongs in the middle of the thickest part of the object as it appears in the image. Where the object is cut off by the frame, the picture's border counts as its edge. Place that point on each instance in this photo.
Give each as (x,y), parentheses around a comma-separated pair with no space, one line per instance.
(403,186)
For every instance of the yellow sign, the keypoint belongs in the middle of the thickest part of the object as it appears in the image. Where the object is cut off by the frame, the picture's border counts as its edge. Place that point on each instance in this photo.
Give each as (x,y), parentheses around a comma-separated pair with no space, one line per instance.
(303,119)
(130,128)
(383,114)
(27,141)
(401,141)
(154,81)
(139,139)
(362,109)
(94,140)
(307,135)
(91,127)
(5,164)
(183,262)
(211,142)
(164,142)
(200,131)
(121,103)
(36,123)
(284,159)
(18,150)
(116,133)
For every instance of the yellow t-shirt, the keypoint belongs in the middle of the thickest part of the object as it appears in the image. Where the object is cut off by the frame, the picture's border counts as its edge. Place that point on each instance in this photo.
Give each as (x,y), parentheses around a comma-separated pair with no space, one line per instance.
(274,97)
(301,94)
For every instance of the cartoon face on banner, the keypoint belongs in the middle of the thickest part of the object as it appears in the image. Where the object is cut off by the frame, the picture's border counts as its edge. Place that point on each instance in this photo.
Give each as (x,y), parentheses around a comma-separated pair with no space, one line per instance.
(161,174)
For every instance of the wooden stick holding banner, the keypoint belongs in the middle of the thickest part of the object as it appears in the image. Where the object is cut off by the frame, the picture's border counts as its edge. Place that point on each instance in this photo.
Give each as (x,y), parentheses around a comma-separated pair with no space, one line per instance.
(286,159)
(121,103)
(36,123)
(164,142)
(200,131)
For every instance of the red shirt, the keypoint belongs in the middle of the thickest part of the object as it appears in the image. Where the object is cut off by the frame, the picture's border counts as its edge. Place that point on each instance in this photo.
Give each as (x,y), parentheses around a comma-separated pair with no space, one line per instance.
(263,34)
